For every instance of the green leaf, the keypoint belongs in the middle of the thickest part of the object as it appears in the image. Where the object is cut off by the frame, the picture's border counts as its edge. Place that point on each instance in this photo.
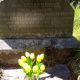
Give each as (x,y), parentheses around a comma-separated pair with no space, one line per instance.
(28,61)
(32,63)
(38,63)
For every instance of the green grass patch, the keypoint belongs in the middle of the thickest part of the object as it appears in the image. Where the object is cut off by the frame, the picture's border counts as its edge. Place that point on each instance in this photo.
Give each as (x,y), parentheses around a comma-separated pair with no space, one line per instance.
(76,28)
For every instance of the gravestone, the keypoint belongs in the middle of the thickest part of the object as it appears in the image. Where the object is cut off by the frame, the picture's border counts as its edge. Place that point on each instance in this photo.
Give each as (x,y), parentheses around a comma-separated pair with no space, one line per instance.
(36,26)
(35,18)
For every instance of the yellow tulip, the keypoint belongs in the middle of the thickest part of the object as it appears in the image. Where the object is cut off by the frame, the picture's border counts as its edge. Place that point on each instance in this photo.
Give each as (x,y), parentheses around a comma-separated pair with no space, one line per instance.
(26,67)
(32,56)
(39,58)
(27,54)
(23,58)
(20,62)
(42,67)
(35,68)
(42,56)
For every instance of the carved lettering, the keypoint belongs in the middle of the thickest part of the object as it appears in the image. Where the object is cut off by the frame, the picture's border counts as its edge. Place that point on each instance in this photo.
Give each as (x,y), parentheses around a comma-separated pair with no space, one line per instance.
(35,18)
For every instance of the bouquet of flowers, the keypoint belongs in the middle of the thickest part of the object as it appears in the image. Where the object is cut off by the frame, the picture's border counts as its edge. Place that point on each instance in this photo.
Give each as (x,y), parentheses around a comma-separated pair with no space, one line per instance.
(31,65)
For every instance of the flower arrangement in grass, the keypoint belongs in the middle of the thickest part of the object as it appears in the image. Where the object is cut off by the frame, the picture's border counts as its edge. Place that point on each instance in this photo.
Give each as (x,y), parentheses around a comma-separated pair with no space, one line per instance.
(31,65)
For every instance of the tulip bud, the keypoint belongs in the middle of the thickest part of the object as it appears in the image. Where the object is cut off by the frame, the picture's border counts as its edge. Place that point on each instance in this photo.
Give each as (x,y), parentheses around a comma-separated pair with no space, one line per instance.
(42,56)
(39,58)
(20,62)
(26,67)
(42,67)
(27,54)
(23,58)
(35,68)
(32,56)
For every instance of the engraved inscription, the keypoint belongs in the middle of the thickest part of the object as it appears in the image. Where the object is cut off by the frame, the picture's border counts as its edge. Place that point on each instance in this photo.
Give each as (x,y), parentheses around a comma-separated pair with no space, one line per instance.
(23,18)
(55,5)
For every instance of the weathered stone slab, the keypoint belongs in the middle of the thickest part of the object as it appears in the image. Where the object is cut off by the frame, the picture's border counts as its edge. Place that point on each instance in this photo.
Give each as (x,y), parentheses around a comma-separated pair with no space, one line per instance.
(55,49)
(35,18)
(8,44)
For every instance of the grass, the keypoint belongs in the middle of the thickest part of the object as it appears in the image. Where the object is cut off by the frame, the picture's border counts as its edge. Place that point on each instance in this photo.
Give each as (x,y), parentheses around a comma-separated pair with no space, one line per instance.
(76,27)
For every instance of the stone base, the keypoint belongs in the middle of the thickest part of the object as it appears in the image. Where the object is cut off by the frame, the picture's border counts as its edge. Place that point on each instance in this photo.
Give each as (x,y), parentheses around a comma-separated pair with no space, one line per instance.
(55,49)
